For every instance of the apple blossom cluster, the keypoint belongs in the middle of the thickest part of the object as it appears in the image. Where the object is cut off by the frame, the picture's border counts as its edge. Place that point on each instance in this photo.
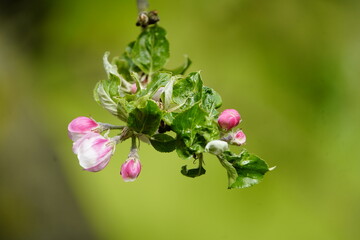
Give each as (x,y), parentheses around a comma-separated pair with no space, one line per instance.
(168,109)
(227,120)
(94,150)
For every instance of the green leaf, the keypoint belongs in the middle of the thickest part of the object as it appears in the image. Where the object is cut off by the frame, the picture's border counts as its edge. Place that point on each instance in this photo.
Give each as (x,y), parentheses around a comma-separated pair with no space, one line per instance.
(182,69)
(182,150)
(188,91)
(123,68)
(163,142)
(106,93)
(211,100)
(151,50)
(194,129)
(250,169)
(159,79)
(195,172)
(110,69)
(128,50)
(168,93)
(251,162)
(112,72)
(195,121)
(145,118)
(169,117)
(124,107)
(127,56)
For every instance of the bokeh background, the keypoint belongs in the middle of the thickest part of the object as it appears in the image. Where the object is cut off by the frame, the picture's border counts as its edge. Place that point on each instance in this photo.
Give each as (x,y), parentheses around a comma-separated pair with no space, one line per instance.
(291,68)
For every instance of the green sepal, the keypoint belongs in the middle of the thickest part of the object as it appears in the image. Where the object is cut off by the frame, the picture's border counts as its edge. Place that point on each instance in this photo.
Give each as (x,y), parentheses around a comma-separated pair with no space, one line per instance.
(145,118)
(150,52)
(195,172)
(163,142)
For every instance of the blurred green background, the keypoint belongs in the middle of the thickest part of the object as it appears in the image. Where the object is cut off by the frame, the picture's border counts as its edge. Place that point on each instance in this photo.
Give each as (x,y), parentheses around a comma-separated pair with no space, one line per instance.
(291,68)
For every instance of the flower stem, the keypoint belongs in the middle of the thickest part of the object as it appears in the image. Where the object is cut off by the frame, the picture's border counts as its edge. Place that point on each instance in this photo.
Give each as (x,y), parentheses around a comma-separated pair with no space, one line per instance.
(201,160)
(133,143)
(133,150)
(107,126)
(142,5)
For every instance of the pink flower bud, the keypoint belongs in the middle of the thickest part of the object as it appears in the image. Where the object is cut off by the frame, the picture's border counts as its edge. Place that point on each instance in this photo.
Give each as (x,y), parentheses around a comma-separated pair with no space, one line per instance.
(81,126)
(228,119)
(238,138)
(94,151)
(130,170)
(133,88)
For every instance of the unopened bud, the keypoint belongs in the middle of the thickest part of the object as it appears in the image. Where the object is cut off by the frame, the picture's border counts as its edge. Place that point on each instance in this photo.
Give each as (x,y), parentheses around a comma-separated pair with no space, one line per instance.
(228,119)
(131,169)
(238,138)
(143,19)
(80,126)
(217,147)
(133,88)
(94,151)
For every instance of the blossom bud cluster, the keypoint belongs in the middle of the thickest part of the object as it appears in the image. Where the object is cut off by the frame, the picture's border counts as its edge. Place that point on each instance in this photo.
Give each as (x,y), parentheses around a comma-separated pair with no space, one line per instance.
(94,150)
(227,120)
(167,109)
